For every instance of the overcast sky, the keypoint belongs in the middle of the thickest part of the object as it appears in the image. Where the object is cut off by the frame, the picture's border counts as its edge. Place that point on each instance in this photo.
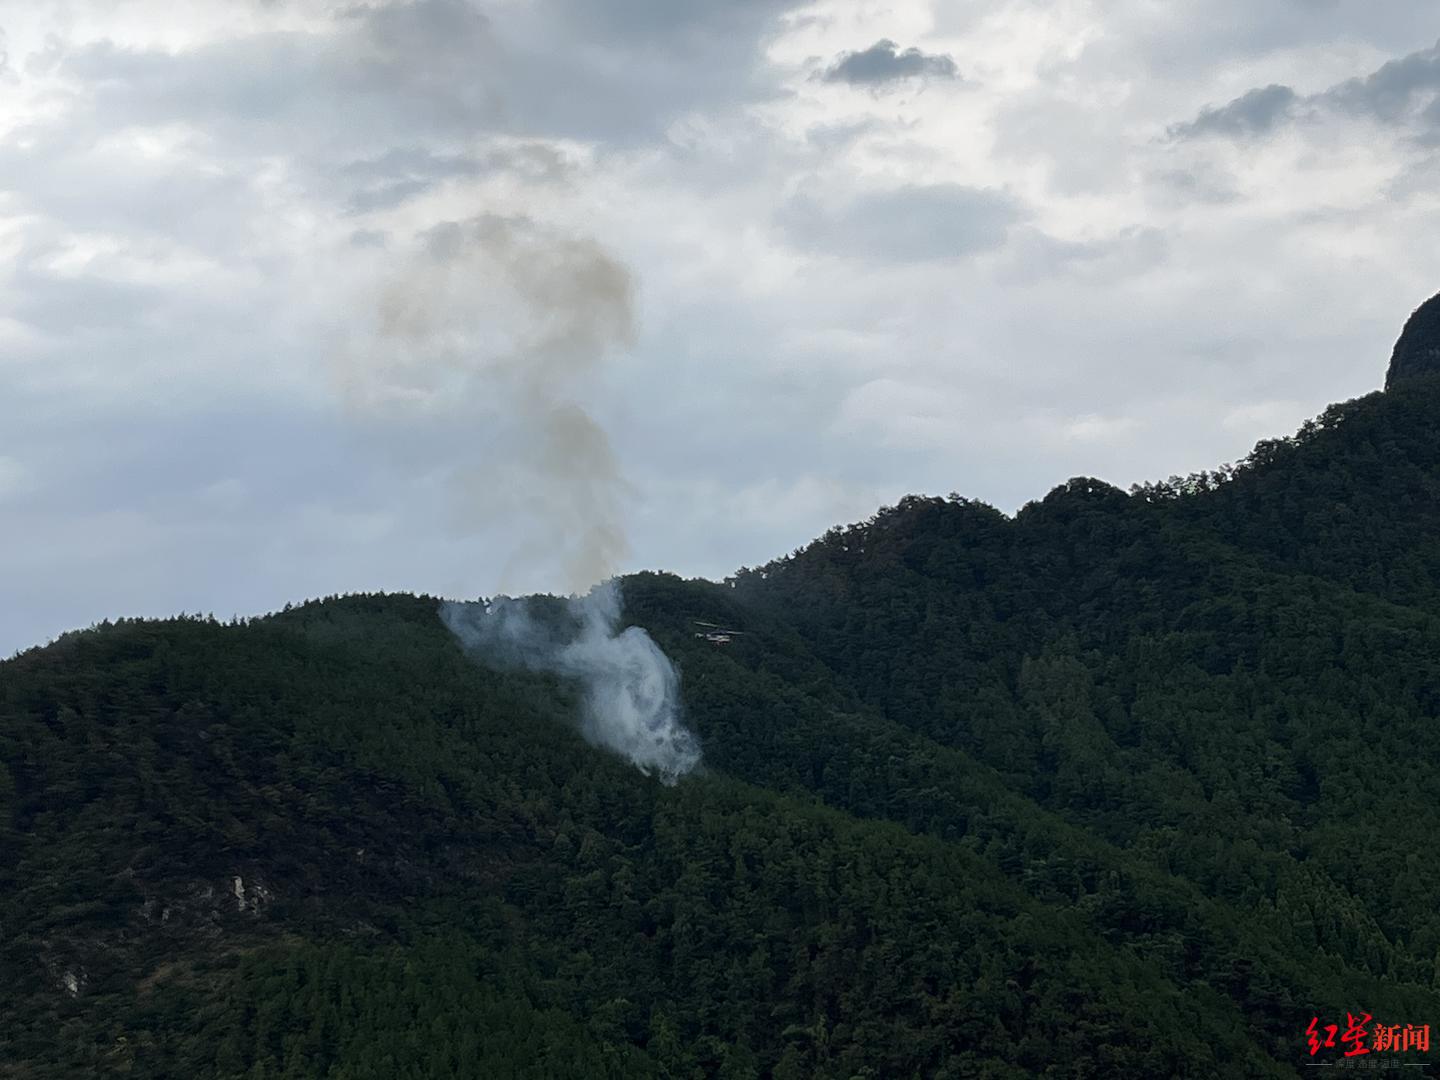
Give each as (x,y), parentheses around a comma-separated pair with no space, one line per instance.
(305,297)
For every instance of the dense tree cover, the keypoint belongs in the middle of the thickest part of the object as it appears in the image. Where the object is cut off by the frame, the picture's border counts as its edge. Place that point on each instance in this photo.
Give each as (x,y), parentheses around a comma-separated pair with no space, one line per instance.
(1126,785)
(1417,353)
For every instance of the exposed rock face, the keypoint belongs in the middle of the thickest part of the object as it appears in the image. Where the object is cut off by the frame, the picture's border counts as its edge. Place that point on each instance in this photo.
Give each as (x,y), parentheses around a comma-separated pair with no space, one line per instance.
(1417,353)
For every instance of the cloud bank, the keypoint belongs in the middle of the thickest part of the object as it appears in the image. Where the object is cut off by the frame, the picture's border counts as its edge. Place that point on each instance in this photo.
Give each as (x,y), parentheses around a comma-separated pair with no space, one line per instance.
(1405,91)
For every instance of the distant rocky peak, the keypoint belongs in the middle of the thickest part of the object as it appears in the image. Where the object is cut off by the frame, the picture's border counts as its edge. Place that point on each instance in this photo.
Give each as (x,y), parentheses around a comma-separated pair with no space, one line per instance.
(1417,353)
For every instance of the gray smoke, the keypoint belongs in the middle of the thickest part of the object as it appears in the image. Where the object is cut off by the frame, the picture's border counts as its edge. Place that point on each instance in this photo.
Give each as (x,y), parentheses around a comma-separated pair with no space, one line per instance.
(632,693)
(501,324)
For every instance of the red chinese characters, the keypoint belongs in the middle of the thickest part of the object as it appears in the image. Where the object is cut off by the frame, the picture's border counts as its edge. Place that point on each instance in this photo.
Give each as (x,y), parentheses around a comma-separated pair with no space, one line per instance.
(1356,1039)
(1355,1035)
(1415,1038)
(1315,1042)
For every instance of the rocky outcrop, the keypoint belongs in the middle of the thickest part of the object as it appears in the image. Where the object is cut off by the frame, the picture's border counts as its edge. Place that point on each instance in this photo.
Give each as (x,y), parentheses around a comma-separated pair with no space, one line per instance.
(1417,353)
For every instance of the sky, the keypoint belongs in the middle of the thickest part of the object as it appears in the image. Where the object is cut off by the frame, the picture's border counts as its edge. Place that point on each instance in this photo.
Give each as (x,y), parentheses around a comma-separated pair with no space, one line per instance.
(303,298)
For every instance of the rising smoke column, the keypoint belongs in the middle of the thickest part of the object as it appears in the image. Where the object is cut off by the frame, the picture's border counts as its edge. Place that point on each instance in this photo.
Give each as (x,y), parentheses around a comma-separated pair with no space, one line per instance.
(632,694)
(502,322)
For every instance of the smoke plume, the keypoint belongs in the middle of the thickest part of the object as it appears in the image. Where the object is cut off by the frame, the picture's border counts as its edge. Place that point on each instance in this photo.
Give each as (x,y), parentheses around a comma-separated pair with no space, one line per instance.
(495,326)
(500,325)
(632,694)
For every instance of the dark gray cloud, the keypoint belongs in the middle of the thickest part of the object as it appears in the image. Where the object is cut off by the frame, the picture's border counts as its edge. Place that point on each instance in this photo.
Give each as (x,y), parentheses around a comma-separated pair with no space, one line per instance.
(1403,91)
(400,70)
(1394,91)
(611,70)
(883,62)
(1253,113)
(617,70)
(623,70)
(654,21)
(915,223)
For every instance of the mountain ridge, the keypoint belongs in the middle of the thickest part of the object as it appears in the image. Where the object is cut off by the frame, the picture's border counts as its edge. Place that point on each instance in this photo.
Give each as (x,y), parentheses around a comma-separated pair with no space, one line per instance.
(1417,352)
(1124,785)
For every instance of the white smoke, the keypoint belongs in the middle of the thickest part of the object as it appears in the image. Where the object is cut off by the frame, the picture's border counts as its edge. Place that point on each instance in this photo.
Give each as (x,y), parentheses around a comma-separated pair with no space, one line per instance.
(632,693)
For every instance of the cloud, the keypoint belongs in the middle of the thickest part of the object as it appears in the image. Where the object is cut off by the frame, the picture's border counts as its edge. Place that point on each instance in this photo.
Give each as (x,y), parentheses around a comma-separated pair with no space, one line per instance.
(652,21)
(1215,39)
(405,173)
(1394,92)
(914,223)
(1402,91)
(400,69)
(845,296)
(883,62)
(1253,113)
(624,71)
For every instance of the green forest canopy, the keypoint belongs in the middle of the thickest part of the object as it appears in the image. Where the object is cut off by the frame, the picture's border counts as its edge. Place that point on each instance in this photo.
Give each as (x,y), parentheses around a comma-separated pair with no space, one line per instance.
(1124,785)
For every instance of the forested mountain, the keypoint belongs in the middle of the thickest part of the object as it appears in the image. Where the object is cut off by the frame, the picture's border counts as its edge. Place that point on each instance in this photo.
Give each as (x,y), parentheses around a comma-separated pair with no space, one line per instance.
(1125,785)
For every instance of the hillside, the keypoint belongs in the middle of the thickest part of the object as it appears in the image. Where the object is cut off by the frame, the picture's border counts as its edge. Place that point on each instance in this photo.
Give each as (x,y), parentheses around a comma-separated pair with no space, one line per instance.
(1126,785)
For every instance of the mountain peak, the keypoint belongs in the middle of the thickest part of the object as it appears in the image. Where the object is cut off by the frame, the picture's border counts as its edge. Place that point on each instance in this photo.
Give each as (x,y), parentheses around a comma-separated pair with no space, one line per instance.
(1417,353)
